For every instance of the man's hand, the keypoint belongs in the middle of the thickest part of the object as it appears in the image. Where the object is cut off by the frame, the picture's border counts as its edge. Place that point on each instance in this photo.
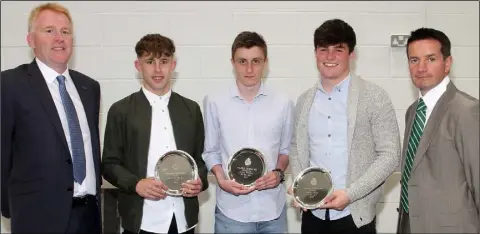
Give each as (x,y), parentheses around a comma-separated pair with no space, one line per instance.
(151,188)
(294,203)
(231,186)
(338,200)
(268,181)
(192,188)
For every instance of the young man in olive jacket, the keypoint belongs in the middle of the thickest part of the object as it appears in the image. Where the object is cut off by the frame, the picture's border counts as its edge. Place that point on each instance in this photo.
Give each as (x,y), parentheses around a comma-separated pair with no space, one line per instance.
(140,129)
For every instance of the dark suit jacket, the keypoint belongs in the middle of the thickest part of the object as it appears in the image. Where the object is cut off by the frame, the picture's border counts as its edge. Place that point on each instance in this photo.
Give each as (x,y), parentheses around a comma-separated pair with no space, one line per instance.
(37,174)
(444,185)
(126,144)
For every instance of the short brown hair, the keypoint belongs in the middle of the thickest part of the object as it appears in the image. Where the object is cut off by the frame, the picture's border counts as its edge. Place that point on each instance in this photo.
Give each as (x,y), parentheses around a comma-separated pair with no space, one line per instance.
(47,6)
(434,34)
(248,40)
(155,44)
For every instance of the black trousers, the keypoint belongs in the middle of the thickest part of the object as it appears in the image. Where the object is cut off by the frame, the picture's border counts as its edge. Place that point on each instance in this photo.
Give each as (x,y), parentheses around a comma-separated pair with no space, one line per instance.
(311,224)
(84,216)
(171,230)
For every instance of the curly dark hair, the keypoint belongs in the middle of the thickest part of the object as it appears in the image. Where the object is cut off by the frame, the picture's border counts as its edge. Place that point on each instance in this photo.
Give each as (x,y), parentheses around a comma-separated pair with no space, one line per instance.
(155,44)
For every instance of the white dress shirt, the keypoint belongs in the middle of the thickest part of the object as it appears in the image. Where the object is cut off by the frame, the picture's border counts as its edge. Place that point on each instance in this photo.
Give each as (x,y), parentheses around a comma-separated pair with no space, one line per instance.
(50,76)
(431,97)
(157,215)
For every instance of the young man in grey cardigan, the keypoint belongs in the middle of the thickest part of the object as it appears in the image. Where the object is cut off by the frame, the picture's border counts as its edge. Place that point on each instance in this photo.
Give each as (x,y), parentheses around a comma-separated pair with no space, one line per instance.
(348,126)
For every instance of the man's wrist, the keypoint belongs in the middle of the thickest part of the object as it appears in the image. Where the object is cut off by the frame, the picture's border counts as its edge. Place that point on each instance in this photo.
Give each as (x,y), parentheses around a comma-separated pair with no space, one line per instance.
(280,174)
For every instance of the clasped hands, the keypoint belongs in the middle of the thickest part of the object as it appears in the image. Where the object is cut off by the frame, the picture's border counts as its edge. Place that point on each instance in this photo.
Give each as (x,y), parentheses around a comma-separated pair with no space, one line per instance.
(153,189)
(268,181)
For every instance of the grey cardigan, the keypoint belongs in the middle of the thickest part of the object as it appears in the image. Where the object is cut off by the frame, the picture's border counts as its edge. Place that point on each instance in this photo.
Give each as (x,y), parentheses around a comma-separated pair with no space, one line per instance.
(373,144)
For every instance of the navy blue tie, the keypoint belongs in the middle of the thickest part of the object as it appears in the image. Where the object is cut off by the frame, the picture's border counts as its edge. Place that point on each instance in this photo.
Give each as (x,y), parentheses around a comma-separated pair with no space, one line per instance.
(76,138)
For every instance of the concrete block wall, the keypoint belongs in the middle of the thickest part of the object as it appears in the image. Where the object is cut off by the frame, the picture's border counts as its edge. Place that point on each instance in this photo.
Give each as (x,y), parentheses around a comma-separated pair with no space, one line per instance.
(106,33)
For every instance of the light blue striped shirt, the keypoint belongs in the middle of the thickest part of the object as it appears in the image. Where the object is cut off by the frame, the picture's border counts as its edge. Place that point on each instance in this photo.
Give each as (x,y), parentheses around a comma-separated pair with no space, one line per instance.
(231,124)
(327,132)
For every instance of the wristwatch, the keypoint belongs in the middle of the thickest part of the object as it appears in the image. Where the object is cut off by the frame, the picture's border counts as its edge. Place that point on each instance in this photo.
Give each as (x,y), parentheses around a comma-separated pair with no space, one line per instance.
(280,173)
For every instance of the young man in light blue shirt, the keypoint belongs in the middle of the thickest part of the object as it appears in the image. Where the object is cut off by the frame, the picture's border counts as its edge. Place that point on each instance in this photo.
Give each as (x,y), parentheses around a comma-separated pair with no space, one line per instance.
(348,126)
(248,114)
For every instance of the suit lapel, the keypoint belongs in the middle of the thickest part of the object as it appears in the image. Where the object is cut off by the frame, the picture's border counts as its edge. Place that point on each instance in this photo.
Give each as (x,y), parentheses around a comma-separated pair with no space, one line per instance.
(433,122)
(408,126)
(38,84)
(86,96)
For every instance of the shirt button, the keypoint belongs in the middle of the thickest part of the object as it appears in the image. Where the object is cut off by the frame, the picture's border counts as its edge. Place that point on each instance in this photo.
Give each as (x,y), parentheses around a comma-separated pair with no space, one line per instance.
(329,135)
(329,98)
(329,117)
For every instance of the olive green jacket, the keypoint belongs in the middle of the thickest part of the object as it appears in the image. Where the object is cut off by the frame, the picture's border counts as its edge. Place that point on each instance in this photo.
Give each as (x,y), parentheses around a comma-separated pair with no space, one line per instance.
(126,144)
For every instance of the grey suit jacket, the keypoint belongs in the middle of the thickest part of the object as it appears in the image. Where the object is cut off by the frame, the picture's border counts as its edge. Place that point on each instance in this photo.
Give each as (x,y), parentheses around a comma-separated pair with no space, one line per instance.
(373,144)
(444,185)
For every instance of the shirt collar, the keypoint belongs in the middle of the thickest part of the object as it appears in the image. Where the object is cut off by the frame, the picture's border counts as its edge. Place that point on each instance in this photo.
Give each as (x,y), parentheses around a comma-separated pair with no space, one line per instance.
(49,74)
(234,92)
(432,96)
(154,99)
(343,85)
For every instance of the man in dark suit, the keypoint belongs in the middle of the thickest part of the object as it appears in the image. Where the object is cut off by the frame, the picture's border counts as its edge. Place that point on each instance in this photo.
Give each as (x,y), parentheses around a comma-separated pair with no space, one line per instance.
(440,167)
(140,129)
(50,162)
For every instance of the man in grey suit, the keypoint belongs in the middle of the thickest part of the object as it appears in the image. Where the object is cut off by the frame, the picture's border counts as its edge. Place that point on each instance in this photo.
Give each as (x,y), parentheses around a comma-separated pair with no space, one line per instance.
(348,126)
(440,166)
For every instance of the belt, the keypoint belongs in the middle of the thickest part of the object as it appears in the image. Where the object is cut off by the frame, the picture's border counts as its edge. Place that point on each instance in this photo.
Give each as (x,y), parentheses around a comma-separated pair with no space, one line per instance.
(82,201)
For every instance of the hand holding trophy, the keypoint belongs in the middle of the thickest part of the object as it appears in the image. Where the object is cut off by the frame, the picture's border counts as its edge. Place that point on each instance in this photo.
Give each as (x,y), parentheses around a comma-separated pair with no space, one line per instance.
(179,172)
(311,187)
(243,169)
(246,166)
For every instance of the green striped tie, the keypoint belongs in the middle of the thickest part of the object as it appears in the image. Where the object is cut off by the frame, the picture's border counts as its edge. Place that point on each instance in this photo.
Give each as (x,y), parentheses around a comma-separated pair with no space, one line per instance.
(415,135)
